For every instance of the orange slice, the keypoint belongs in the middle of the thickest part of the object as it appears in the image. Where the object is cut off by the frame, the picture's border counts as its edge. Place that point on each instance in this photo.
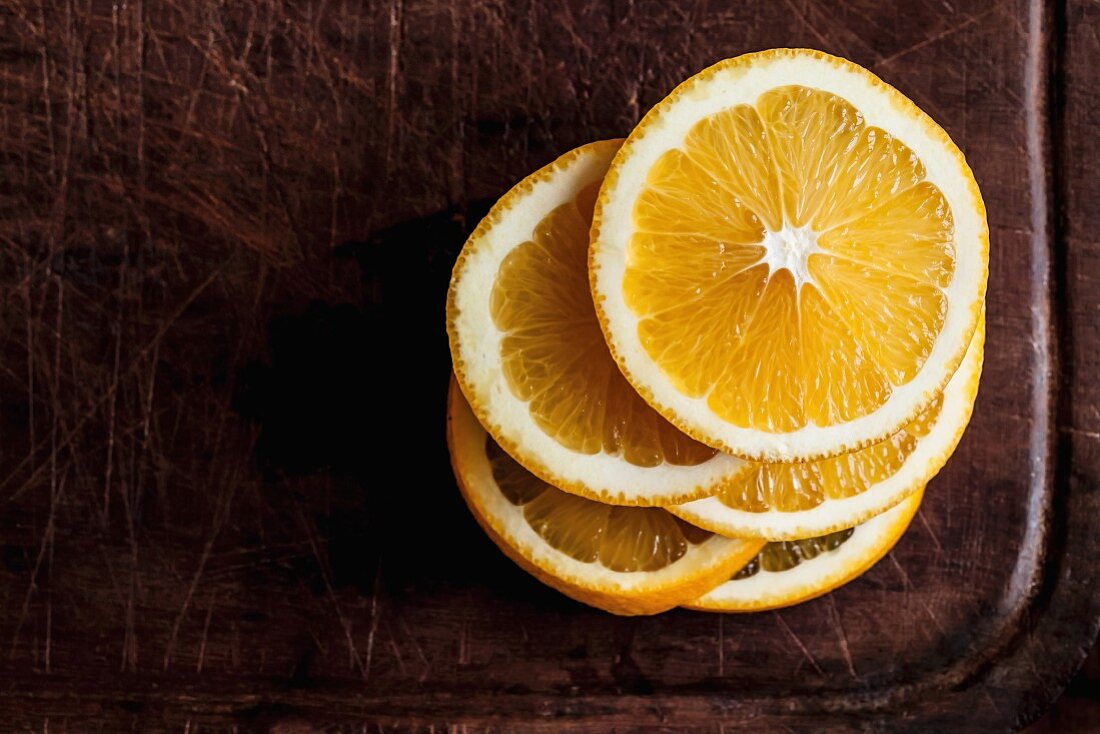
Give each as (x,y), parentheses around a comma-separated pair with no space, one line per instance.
(626,560)
(532,361)
(791,572)
(788,257)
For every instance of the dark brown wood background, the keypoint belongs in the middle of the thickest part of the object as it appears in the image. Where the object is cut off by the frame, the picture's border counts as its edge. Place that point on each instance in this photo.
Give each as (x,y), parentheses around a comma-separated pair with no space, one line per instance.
(226,230)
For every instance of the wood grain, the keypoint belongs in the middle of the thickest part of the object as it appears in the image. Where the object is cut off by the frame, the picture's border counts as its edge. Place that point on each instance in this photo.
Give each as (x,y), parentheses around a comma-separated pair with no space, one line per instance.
(227,231)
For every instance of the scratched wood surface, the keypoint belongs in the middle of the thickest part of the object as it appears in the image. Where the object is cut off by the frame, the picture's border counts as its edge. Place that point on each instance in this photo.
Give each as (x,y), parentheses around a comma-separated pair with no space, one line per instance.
(1076,121)
(226,233)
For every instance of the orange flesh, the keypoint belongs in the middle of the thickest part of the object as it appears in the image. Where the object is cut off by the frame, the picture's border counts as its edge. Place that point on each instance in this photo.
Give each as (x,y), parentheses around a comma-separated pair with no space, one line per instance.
(794,487)
(785,555)
(555,357)
(768,350)
(620,538)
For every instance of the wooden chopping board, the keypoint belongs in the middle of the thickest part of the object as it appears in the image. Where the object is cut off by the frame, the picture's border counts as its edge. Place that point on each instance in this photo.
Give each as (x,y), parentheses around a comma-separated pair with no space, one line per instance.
(226,232)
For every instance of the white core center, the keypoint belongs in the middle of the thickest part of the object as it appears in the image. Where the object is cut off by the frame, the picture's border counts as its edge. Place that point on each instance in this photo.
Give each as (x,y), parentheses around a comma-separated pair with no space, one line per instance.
(789,248)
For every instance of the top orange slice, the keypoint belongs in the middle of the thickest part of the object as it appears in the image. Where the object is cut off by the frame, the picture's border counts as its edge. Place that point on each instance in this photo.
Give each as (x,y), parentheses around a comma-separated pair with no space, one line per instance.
(532,362)
(788,257)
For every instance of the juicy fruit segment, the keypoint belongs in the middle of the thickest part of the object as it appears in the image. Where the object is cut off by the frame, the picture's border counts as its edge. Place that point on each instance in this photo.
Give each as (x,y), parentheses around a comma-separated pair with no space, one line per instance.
(788,262)
(803,486)
(554,355)
(622,539)
(785,555)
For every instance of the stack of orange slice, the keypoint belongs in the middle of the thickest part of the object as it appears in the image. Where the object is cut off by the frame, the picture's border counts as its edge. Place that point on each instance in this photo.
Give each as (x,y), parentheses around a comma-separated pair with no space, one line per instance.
(716,364)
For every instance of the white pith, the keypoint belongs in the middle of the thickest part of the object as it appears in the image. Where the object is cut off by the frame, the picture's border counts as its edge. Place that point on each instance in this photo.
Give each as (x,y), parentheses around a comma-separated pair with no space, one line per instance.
(789,249)
(929,455)
(477,347)
(665,129)
(476,475)
(764,589)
